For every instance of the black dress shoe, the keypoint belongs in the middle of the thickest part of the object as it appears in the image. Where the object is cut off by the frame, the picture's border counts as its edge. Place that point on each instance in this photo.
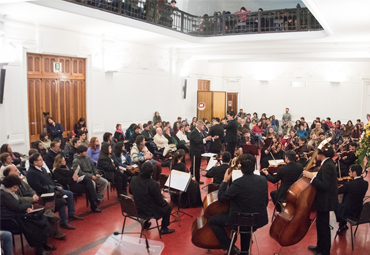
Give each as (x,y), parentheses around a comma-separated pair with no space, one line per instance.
(167,231)
(49,247)
(96,210)
(41,251)
(313,248)
(200,182)
(59,236)
(67,226)
(75,217)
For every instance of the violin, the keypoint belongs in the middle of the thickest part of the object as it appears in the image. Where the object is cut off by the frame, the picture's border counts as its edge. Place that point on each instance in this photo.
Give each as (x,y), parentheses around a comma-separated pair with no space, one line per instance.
(273,169)
(133,170)
(344,179)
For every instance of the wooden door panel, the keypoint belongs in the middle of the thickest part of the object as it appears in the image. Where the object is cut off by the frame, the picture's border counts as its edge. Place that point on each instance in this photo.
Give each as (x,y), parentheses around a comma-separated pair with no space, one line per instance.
(204,85)
(219,103)
(206,98)
(33,64)
(66,65)
(232,102)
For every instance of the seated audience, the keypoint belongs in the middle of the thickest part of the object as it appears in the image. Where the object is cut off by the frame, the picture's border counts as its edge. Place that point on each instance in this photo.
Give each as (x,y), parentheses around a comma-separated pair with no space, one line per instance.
(82,136)
(148,198)
(302,132)
(93,150)
(353,196)
(157,118)
(108,138)
(52,153)
(257,131)
(122,159)
(16,157)
(39,146)
(6,238)
(162,143)
(65,176)
(35,230)
(135,133)
(30,153)
(44,138)
(6,160)
(41,182)
(80,126)
(190,198)
(218,171)
(75,143)
(68,146)
(55,129)
(88,169)
(113,174)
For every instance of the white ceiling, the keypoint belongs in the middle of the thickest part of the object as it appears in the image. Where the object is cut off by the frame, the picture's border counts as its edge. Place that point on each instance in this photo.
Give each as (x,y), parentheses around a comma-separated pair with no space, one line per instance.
(346,35)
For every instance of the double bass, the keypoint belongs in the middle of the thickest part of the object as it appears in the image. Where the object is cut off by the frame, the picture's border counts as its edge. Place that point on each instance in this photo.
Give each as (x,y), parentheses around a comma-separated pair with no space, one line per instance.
(202,234)
(291,225)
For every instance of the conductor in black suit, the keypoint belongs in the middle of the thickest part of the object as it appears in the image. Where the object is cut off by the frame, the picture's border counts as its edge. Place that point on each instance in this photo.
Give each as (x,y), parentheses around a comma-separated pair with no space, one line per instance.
(353,196)
(231,137)
(288,174)
(148,198)
(217,133)
(247,194)
(326,199)
(197,142)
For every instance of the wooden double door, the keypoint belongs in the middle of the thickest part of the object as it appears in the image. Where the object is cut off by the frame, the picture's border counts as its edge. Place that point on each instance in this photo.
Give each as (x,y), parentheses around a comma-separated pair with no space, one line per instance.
(62,95)
(214,101)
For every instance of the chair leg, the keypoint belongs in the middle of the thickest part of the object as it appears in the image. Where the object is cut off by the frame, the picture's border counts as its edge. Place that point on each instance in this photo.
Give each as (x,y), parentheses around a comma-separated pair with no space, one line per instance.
(108,190)
(123,226)
(258,247)
(231,243)
(352,237)
(356,229)
(142,229)
(87,200)
(22,243)
(159,231)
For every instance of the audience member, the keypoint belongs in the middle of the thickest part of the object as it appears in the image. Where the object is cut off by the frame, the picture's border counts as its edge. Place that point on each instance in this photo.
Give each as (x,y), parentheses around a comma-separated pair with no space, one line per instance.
(80,126)
(52,153)
(93,150)
(16,157)
(55,129)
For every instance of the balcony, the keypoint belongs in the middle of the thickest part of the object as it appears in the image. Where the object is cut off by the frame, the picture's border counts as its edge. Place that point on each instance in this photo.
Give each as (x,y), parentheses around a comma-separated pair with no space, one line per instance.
(221,24)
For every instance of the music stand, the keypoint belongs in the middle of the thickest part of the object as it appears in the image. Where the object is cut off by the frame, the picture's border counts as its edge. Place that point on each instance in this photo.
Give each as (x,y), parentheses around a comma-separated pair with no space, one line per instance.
(180,186)
(251,149)
(118,244)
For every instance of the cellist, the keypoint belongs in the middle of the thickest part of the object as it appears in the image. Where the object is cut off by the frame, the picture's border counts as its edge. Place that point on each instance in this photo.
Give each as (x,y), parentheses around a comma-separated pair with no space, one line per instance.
(247,194)
(326,199)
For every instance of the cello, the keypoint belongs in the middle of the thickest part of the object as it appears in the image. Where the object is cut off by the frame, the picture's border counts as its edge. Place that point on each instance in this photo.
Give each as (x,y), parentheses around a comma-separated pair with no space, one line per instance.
(291,225)
(202,233)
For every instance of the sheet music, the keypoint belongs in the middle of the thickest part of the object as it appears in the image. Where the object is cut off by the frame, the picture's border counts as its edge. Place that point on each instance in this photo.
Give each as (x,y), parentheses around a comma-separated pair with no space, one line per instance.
(47,194)
(256,172)
(212,162)
(209,155)
(80,178)
(178,180)
(236,174)
(275,162)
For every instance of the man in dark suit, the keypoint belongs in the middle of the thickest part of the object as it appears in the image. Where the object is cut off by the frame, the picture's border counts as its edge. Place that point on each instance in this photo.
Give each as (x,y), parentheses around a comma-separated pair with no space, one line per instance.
(148,198)
(248,194)
(231,137)
(353,196)
(218,172)
(217,133)
(197,142)
(52,153)
(326,199)
(288,174)
(347,161)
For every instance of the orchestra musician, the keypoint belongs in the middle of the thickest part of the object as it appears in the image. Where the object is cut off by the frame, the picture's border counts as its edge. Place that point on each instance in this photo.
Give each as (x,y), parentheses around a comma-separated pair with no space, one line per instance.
(287,174)
(248,194)
(345,145)
(302,151)
(273,153)
(218,171)
(347,161)
(326,199)
(291,142)
(353,196)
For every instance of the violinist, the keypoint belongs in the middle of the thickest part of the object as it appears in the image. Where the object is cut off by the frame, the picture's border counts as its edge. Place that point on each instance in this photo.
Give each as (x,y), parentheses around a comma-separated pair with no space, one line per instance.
(326,198)
(345,145)
(248,194)
(288,174)
(347,161)
(302,151)
(291,144)
(354,193)
(273,153)
(218,171)
(314,135)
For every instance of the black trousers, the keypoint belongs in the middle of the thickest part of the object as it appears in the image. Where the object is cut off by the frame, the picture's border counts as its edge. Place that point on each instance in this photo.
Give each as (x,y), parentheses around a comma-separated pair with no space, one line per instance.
(218,224)
(166,217)
(198,159)
(230,147)
(323,232)
(86,185)
(120,181)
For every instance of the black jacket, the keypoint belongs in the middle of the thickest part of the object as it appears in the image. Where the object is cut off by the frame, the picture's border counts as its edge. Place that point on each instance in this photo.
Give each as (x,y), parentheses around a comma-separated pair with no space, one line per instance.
(345,164)
(288,175)
(106,164)
(63,175)
(248,194)
(40,181)
(196,142)
(148,198)
(118,137)
(326,184)
(49,158)
(148,135)
(216,145)
(354,193)
(217,173)
(231,131)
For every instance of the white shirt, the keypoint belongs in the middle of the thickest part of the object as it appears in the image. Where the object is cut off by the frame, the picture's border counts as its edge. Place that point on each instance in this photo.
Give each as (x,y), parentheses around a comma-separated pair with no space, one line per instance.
(44,166)
(204,140)
(182,136)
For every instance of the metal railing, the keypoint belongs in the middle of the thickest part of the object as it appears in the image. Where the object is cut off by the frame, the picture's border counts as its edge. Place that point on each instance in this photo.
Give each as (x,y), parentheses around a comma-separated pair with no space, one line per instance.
(163,14)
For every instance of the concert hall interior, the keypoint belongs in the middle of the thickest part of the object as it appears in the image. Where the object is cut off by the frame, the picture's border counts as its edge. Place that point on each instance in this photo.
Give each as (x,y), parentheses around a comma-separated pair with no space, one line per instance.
(101,99)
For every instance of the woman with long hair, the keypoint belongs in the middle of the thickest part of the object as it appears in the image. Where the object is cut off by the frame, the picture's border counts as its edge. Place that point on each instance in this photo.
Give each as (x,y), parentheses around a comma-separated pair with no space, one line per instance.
(93,151)
(16,157)
(65,176)
(39,146)
(356,133)
(274,152)
(80,126)
(350,126)
(157,118)
(112,173)
(122,159)
(190,198)
(44,138)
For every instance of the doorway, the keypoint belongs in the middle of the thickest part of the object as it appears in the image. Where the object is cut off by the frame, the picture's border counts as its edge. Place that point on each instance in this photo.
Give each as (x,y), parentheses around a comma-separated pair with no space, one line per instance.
(232,103)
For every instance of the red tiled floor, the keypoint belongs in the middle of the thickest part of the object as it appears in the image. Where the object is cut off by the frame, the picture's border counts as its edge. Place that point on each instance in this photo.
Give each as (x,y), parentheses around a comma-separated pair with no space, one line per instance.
(95,229)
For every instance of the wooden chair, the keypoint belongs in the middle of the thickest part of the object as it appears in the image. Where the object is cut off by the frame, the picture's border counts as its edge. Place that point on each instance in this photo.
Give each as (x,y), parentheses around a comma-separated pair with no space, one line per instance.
(128,208)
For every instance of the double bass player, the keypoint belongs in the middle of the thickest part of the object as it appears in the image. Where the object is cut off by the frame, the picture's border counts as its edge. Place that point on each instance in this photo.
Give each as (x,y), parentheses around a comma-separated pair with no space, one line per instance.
(326,199)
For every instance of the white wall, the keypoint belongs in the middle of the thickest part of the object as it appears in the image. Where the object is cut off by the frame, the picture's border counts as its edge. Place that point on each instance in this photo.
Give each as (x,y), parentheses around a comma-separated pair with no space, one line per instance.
(320,98)
(126,82)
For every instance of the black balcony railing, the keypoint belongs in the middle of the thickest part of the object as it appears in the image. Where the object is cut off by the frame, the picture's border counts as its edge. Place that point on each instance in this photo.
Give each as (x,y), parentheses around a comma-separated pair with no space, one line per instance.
(162,14)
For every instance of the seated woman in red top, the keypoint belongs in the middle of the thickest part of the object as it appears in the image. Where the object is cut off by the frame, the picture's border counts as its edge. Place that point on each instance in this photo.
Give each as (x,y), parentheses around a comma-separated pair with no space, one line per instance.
(257,131)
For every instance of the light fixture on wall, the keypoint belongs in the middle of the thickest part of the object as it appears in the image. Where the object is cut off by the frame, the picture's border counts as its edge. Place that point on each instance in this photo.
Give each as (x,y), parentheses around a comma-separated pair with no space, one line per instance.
(335,82)
(298,84)
(264,81)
